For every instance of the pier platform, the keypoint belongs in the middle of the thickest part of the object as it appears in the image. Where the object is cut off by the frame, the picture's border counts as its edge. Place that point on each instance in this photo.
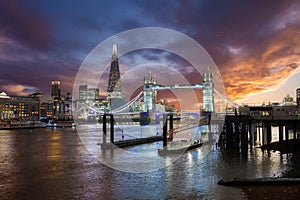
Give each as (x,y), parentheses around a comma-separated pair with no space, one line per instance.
(133,142)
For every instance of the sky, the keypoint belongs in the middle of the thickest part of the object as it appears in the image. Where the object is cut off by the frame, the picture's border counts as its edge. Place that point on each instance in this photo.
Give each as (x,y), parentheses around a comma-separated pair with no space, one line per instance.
(255,44)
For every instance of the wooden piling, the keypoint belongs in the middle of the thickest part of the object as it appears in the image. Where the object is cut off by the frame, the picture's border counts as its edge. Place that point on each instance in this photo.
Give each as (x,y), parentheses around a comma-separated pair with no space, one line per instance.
(171,122)
(165,129)
(104,129)
(250,130)
(244,136)
(287,132)
(229,135)
(280,133)
(236,135)
(294,130)
(269,133)
(112,129)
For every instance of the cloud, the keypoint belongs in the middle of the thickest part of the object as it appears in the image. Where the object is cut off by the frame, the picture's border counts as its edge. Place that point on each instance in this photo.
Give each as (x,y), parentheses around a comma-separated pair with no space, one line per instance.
(285,19)
(254,44)
(260,72)
(18,89)
(20,23)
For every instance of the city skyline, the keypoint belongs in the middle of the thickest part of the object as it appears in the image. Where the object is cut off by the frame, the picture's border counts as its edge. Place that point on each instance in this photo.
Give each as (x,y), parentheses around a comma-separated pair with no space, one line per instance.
(253,43)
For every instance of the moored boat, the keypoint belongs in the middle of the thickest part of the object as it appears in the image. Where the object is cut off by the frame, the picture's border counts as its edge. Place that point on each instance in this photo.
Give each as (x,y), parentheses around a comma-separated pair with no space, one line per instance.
(60,124)
(20,124)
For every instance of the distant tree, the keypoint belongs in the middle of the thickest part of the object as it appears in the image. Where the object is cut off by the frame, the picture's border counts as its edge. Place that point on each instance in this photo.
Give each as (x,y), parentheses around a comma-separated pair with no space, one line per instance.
(170,108)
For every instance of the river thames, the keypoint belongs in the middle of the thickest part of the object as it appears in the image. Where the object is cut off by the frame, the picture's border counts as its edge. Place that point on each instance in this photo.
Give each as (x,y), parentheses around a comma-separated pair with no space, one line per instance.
(51,163)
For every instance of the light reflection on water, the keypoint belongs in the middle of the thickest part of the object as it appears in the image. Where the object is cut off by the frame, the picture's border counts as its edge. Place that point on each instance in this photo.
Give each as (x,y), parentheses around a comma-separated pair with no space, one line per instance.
(54,164)
(275,134)
(91,137)
(145,156)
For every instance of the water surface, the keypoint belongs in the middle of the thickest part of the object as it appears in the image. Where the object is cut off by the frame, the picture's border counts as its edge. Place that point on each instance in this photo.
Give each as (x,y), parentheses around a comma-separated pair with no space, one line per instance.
(54,164)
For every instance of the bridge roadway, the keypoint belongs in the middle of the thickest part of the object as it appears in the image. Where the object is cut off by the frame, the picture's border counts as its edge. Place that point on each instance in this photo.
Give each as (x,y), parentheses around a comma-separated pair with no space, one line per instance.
(172,87)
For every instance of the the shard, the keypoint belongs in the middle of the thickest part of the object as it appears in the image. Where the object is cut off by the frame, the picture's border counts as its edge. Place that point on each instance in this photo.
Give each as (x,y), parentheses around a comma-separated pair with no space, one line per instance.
(114,90)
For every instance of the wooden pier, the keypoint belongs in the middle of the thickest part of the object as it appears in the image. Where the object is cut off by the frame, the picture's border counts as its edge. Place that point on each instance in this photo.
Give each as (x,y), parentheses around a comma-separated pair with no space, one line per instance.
(132,142)
(255,124)
(109,119)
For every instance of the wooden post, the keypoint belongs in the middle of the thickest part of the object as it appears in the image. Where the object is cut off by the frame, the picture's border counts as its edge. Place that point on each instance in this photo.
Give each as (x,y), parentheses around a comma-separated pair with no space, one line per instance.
(229,134)
(104,130)
(165,129)
(255,135)
(112,129)
(269,133)
(244,135)
(171,122)
(280,133)
(237,134)
(171,127)
(287,132)
(263,134)
(294,130)
(260,134)
(251,134)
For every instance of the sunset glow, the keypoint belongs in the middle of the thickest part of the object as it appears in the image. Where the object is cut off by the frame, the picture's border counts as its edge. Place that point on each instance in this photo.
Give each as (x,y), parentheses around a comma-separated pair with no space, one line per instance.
(255,44)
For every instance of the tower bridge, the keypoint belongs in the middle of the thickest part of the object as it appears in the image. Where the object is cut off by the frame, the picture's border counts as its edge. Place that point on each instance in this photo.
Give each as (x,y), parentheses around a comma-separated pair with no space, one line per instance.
(241,126)
(151,87)
(148,95)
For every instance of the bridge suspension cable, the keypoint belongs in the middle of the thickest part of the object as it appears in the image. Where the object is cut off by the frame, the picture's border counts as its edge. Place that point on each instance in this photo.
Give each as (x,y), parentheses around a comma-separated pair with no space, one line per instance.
(127,105)
(233,104)
(95,110)
(140,96)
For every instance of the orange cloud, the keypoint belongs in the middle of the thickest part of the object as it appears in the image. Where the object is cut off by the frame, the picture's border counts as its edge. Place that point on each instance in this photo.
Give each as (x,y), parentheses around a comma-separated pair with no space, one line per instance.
(264,69)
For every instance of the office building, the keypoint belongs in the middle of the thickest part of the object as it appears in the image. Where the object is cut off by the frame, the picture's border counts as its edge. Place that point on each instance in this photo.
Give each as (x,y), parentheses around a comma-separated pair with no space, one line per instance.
(18,107)
(90,94)
(55,91)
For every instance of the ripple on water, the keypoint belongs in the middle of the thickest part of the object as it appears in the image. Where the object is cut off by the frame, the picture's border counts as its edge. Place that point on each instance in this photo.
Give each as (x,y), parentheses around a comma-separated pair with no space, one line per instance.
(53,164)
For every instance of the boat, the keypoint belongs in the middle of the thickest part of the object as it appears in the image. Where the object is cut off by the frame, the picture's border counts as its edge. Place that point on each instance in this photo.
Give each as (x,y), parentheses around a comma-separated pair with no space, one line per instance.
(60,124)
(39,124)
(4,124)
(20,124)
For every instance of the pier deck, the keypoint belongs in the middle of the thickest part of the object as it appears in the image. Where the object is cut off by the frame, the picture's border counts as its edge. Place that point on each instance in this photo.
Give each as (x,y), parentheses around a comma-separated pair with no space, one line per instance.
(133,142)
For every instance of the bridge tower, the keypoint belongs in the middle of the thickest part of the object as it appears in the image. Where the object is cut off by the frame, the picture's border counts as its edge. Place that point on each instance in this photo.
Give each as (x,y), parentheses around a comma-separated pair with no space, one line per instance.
(208,92)
(149,93)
